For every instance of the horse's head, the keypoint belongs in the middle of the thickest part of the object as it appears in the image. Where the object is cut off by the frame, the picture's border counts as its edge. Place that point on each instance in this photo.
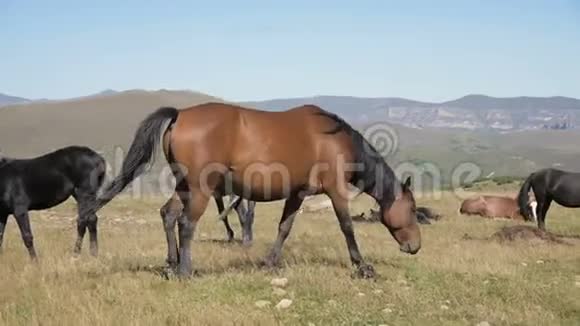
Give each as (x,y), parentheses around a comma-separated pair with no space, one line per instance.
(401,220)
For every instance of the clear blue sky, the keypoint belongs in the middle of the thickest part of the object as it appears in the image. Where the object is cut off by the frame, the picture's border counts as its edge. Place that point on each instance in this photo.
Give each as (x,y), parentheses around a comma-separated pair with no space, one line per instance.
(242,50)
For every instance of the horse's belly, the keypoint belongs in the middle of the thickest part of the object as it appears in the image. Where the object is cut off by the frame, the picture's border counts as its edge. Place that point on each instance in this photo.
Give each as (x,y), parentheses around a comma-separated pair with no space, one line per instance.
(265,187)
(48,203)
(568,202)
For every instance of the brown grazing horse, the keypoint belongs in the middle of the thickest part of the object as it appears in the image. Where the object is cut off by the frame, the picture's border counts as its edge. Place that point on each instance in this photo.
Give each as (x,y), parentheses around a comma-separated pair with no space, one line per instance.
(493,206)
(218,148)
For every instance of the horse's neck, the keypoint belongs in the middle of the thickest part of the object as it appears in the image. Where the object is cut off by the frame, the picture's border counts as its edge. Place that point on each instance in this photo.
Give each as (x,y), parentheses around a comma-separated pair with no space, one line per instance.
(386,195)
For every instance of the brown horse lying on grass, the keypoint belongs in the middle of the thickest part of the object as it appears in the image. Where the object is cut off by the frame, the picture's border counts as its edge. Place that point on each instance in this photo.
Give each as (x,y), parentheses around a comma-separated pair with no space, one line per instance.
(218,148)
(494,206)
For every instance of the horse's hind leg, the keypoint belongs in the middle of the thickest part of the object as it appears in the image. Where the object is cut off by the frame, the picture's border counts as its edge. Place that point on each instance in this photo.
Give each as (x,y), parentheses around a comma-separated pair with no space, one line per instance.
(194,204)
(219,201)
(170,212)
(3,220)
(87,219)
(23,221)
(543,207)
(290,209)
(246,216)
(81,230)
(340,206)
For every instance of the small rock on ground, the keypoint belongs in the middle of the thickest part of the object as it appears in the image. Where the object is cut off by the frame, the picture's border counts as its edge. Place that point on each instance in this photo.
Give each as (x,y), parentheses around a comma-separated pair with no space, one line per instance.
(444,307)
(279,282)
(483,323)
(279,292)
(387,310)
(284,304)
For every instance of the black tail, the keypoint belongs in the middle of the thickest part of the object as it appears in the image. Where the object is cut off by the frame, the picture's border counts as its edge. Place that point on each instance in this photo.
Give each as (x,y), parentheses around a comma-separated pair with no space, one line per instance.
(524,198)
(141,153)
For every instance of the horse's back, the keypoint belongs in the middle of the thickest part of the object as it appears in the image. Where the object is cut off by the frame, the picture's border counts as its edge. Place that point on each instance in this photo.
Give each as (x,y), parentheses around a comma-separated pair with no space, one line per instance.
(500,206)
(283,144)
(230,129)
(561,186)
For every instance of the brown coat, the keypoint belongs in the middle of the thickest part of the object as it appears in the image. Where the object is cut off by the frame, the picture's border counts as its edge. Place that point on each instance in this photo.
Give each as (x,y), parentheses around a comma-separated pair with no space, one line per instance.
(492,206)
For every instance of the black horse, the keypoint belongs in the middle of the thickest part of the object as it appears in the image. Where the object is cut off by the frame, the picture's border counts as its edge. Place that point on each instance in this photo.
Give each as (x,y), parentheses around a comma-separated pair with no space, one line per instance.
(46,181)
(245,210)
(549,185)
(173,209)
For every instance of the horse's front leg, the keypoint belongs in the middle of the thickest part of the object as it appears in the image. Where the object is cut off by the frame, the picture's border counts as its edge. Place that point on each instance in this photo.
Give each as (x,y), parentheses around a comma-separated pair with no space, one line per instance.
(291,207)
(340,206)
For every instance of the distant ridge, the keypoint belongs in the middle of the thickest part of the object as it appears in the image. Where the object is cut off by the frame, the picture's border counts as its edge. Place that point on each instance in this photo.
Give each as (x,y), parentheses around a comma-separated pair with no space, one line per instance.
(473,111)
(468,112)
(426,132)
(483,102)
(474,101)
(10,100)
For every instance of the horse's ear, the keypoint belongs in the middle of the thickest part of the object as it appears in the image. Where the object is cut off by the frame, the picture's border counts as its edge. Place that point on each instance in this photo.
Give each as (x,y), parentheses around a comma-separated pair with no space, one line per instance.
(407,184)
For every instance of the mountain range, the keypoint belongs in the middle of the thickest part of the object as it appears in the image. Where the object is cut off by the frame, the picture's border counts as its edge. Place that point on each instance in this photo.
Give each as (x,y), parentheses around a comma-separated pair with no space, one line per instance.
(106,122)
(469,112)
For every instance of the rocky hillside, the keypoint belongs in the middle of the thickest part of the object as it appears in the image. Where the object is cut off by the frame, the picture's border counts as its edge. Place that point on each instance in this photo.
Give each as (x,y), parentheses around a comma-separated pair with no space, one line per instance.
(469,112)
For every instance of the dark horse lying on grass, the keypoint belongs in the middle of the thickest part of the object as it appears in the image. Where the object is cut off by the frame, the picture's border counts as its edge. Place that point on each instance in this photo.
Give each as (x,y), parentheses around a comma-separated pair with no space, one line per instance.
(549,185)
(46,181)
(266,156)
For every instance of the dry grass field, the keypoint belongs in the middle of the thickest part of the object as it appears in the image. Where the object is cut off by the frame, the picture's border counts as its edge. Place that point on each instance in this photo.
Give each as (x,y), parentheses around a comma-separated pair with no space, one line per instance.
(451,281)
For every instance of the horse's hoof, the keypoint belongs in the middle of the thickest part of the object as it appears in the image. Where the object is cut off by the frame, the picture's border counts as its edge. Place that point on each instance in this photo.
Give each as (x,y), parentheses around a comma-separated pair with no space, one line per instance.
(268,263)
(366,271)
(169,273)
(246,243)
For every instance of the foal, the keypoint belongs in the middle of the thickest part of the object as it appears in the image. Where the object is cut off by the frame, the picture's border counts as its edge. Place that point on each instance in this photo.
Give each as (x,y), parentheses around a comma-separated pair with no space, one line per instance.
(46,181)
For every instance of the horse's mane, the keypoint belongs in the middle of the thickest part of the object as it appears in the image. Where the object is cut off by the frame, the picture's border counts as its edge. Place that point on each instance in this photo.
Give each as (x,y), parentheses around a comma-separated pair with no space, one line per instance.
(374,166)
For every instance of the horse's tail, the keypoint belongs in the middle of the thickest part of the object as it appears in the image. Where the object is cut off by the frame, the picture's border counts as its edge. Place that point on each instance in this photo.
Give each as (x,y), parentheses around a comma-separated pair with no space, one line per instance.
(524,198)
(141,153)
